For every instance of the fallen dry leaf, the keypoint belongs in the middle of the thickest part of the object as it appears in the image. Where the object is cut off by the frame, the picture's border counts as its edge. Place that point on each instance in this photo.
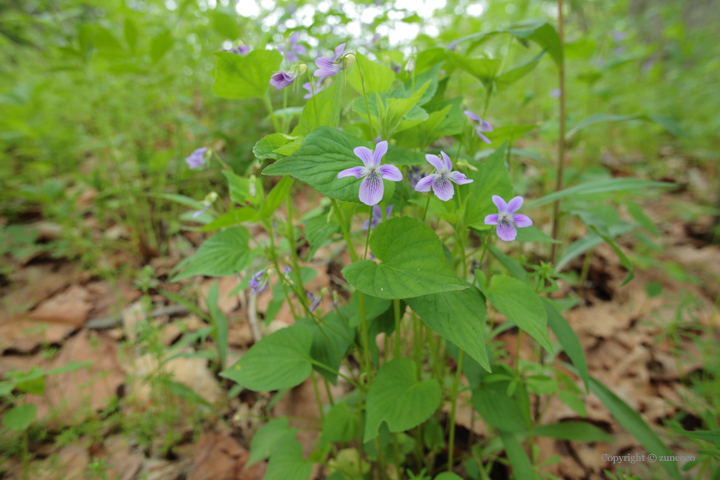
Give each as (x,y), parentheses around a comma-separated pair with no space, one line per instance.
(226,285)
(219,457)
(70,464)
(122,462)
(70,395)
(70,307)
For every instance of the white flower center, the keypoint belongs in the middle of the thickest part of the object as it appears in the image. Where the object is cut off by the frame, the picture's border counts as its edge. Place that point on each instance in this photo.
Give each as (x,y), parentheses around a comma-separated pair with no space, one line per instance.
(505,218)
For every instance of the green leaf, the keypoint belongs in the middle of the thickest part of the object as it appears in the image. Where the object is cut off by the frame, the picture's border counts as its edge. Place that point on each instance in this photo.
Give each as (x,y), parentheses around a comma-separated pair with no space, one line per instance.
(287,463)
(412,263)
(244,76)
(399,399)
(519,152)
(322,156)
(567,338)
(340,425)
(378,78)
(423,134)
(321,110)
(631,421)
(181,199)
(317,231)
(591,240)
(458,317)
(664,121)
(272,435)
(514,74)
(230,219)
(521,305)
(575,431)
(533,234)
(187,393)
(455,120)
(131,32)
(512,266)
(501,411)
(240,189)
(225,25)
(275,198)
(509,133)
(484,69)
(219,323)
(600,228)
(707,435)
(397,108)
(598,186)
(20,417)
(225,253)
(491,178)
(429,75)
(639,215)
(160,44)
(265,147)
(280,360)
(522,468)
(331,342)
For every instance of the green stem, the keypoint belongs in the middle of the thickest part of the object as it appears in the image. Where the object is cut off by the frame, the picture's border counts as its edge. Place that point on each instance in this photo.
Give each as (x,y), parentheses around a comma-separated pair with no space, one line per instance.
(451,437)
(343,227)
(286,125)
(367,105)
(561,133)
(268,105)
(293,251)
(367,239)
(398,338)
(317,395)
(427,205)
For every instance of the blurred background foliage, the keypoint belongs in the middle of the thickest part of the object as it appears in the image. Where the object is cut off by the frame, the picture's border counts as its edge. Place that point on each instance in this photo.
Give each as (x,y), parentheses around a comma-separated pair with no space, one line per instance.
(110,96)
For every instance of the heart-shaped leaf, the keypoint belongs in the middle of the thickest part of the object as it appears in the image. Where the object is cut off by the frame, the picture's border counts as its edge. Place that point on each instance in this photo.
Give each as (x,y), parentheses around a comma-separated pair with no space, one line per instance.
(399,399)
(458,317)
(281,360)
(412,263)
(225,253)
(244,76)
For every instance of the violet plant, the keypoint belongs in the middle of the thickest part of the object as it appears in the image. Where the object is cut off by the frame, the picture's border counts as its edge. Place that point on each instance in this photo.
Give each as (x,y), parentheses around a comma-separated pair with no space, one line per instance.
(412,332)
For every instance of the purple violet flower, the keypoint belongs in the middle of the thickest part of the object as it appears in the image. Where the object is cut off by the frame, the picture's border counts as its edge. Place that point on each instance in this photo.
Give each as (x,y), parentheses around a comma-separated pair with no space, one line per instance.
(372,173)
(197,158)
(282,79)
(378,139)
(286,270)
(318,88)
(328,67)
(554,93)
(377,217)
(506,219)
(258,282)
(200,212)
(440,180)
(482,126)
(315,299)
(239,50)
(414,174)
(291,54)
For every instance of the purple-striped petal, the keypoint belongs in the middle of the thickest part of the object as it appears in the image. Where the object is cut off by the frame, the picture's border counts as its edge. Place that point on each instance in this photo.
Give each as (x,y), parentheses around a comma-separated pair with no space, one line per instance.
(435,161)
(472,115)
(366,155)
(381,149)
(506,232)
(459,178)
(356,172)
(515,204)
(339,51)
(448,162)
(371,190)
(491,219)
(300,49)
(482,137)
(443,189)
(521,220)
(425,183)
(500,204)
(391,172)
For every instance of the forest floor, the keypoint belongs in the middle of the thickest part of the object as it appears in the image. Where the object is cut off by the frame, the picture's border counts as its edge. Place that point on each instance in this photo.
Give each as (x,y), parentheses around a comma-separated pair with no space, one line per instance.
(49,312)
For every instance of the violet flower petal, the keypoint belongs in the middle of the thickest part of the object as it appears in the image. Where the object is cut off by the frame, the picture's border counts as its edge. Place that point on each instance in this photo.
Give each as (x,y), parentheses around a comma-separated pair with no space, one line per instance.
(448,162)
(521,220)
(492,219)
(381,149)
(443,188)
(356,172)
(507,232)
(371,189)
(459,178)
(435,161)
(425,183)
(515,204)
(366,155)
(391,172)
(500,204)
